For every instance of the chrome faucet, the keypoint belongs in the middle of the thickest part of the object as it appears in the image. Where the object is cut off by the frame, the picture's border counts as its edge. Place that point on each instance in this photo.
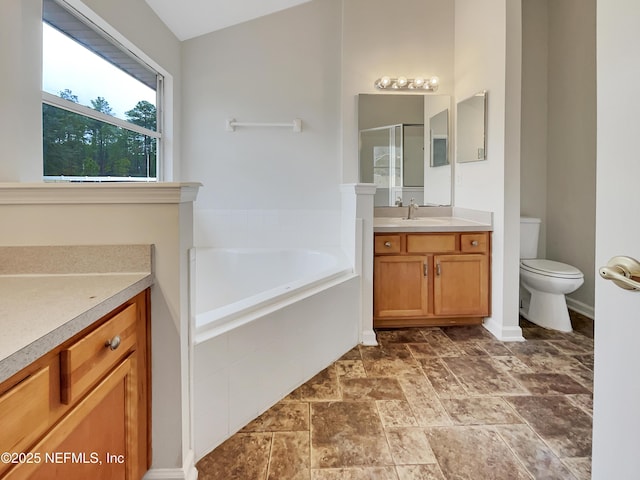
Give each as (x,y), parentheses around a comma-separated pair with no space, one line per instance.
(413,207)
(398,201)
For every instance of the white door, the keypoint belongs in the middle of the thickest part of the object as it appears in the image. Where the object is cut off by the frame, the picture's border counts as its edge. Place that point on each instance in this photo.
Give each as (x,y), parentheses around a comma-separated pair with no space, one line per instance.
(616,432)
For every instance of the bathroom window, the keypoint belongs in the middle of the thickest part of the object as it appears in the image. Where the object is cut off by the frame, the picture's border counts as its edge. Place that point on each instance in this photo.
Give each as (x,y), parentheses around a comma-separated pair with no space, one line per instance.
(101,104)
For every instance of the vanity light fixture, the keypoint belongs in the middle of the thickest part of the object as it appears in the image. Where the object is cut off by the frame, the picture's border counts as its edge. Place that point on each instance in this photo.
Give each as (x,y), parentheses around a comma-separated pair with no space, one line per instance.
(404,83)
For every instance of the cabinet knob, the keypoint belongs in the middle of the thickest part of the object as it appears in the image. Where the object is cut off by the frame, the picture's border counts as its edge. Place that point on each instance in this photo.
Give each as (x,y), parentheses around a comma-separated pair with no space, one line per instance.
(474,243)
(387,244)
(113,343)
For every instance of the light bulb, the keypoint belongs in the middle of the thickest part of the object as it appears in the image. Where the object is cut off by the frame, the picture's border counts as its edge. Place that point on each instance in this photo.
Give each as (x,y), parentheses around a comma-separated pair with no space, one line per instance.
(419,82)
(434,81)
(402,81)
(385,81)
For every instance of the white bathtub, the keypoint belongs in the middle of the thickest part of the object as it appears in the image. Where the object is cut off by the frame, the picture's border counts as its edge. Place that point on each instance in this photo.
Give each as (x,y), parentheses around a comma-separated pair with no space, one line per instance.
(264,322)
(236,286)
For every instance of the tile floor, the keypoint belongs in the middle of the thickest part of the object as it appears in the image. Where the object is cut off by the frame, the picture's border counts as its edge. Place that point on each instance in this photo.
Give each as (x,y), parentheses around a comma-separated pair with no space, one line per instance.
(429,404)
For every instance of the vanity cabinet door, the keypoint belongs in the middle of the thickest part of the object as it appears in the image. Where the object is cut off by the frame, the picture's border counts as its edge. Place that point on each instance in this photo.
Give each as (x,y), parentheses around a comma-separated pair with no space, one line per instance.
(401,286)
(461,285)
(97,439)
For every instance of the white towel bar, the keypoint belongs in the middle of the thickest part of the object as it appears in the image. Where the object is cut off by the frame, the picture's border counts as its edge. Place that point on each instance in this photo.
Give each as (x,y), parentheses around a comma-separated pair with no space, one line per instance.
(231,124)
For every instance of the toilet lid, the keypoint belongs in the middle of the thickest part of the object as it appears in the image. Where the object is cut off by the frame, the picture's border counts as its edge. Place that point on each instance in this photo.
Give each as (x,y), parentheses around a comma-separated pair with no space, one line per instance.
(551,268)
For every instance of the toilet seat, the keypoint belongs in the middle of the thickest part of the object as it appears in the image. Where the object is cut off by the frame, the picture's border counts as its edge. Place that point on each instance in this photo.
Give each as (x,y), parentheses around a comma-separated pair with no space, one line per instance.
(550,268)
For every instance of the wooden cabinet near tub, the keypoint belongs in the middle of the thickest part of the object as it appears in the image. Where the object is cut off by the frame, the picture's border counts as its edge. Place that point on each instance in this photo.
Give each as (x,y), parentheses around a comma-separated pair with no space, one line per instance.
(83,410)
(423,279)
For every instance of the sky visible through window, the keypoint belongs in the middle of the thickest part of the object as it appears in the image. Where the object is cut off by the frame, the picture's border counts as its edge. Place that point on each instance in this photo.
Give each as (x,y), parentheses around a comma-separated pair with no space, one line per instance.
(68,65)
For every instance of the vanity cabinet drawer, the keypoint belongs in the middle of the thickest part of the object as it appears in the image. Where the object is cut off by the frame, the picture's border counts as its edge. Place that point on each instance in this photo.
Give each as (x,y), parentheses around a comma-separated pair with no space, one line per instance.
(387,244)
(473,242)
(427,243)
(25,413)
(89,359)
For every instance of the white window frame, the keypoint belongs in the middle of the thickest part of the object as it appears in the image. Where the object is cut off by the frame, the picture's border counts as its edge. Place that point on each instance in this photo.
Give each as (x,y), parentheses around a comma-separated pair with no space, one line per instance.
(164,100)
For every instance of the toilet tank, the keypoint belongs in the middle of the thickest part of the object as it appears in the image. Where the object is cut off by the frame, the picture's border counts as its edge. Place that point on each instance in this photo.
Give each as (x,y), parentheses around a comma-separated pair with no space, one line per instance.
(529,231)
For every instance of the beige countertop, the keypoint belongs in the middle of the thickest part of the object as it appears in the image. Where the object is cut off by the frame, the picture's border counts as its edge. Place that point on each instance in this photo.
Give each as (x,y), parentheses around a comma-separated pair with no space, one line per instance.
(432,219)
(39,311)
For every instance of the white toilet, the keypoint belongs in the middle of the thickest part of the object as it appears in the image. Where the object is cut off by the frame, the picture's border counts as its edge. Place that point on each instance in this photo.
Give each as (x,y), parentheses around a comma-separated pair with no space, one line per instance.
(544,283)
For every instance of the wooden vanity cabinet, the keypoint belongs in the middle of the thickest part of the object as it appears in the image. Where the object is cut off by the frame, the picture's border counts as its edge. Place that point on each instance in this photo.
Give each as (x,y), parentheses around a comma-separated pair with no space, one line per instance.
(83,410)
(423,279)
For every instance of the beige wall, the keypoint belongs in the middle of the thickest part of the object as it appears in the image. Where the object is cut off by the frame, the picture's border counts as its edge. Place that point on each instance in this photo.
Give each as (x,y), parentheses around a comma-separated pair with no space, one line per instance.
(271,69)
(533,162)
(559,131)
(379,38)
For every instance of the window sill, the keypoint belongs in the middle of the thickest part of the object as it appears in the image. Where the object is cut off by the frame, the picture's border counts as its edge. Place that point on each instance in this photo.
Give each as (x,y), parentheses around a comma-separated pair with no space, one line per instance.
(97,193)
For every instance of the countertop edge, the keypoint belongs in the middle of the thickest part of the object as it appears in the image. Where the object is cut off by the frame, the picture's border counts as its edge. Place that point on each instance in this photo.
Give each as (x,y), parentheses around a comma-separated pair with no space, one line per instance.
(15,362)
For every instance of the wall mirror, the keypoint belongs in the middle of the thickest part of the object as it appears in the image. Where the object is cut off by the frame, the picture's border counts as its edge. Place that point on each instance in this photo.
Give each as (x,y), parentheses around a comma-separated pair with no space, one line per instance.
(471,132)
(404,147)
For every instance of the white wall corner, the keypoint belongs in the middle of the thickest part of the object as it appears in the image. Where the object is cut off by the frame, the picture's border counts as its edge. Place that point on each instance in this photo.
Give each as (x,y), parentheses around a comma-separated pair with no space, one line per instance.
(357,239)
(187,472)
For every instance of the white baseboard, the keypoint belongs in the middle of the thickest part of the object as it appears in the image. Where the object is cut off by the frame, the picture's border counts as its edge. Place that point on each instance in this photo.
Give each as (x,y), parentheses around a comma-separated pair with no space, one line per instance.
(502,333)
(369,338)
(580,307)
(187,472)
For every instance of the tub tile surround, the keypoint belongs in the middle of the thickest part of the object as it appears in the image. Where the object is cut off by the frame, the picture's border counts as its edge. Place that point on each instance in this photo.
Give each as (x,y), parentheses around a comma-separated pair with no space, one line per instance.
(267,228)
(429,403)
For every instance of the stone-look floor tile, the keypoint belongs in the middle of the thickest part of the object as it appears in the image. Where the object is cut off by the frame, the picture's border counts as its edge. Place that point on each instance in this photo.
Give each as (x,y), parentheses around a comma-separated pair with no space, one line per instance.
(403,335)
(481,377)
(470,348)
(323,387)
(290,456)
(569,346)
(533,347)
(566,364)
(396,413)
(357,473)
(538,459)
(282,417)
(474,453)
(389,361)
(550,384)
(510,364)
(444,382)
(581,324)
(586,360)
(581,467)
(494,348)
(539,333)
(467,332)
(583,401)
(480,411)
(371,388)
(346,434)
(562,425)
(424,402)
(353,354)
(350,369)
(422,350)
(244,455)
(419,472)
(409,446)
(443,345)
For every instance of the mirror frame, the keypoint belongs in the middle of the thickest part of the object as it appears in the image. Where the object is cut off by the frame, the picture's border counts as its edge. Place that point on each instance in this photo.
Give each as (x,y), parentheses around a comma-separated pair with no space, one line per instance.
(460,136)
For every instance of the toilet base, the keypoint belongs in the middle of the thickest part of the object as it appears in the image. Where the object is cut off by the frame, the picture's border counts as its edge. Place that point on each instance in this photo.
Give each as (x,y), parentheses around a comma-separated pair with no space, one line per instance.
(547,310)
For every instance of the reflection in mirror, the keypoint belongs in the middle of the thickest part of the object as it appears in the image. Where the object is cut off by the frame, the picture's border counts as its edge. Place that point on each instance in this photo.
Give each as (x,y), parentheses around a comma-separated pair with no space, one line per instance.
(472,129)
(396,145)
